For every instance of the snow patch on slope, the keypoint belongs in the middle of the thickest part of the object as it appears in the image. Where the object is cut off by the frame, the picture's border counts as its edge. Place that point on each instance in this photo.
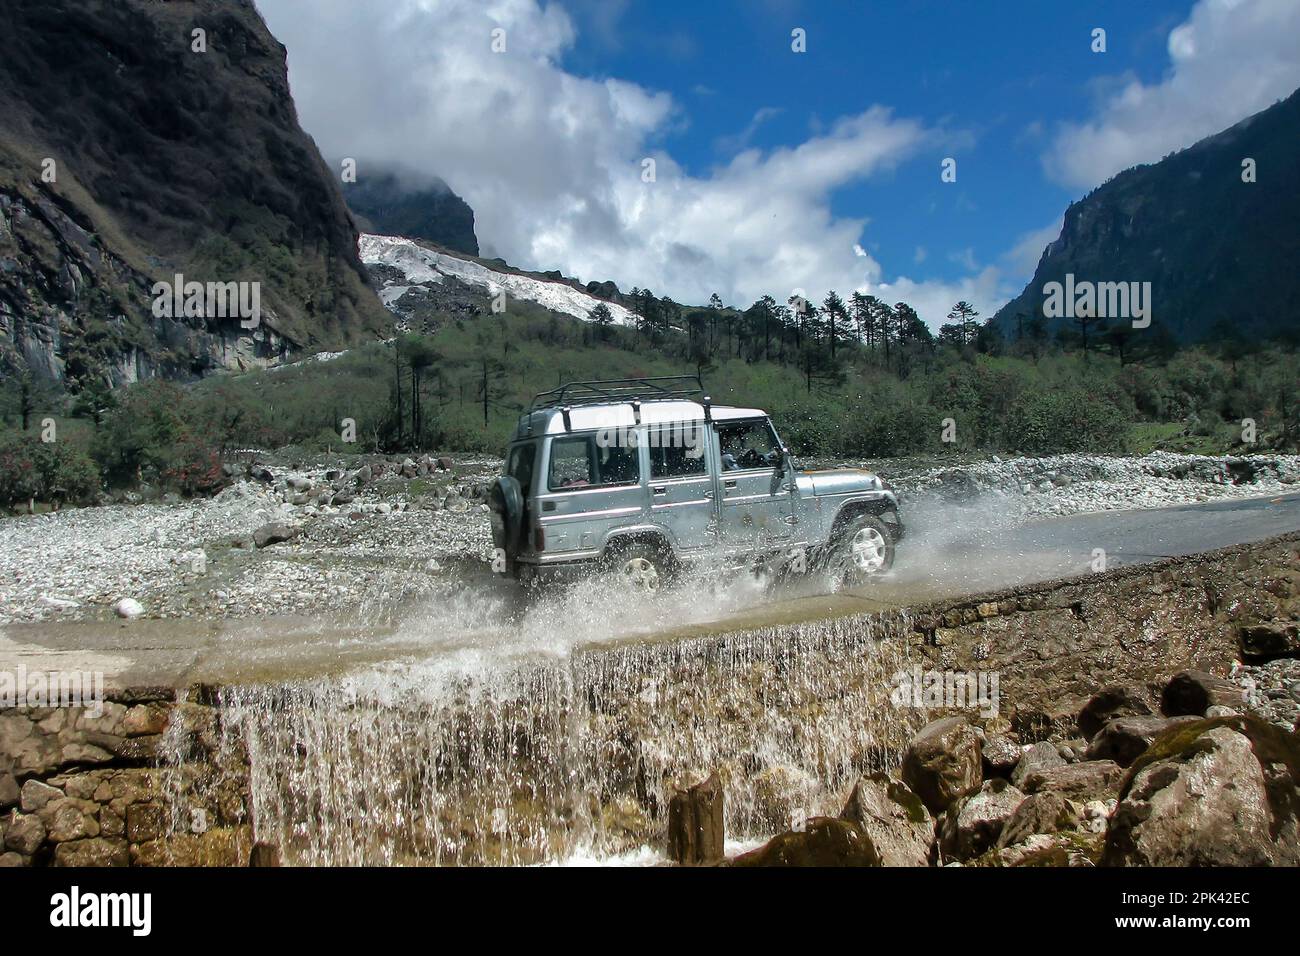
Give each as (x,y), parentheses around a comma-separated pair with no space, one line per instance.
(423,266)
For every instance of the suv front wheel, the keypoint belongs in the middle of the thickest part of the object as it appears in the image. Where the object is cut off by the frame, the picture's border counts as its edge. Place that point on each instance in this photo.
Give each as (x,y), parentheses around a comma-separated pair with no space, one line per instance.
(863,550)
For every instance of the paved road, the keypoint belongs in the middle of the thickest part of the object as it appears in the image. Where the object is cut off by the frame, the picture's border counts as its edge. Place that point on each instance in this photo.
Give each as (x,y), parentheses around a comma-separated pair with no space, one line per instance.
(964,561)
(949,552)
(952,552)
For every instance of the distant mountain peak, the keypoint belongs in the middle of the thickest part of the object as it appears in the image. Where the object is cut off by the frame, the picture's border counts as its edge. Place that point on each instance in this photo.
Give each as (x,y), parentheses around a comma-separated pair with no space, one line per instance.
(398,202)
(1219,252)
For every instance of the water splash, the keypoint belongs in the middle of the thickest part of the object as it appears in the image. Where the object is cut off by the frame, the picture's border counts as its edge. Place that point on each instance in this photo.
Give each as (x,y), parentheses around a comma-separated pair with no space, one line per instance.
(550,751)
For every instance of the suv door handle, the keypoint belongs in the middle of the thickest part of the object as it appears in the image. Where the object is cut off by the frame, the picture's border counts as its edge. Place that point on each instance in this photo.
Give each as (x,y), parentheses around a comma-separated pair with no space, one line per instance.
(659,489)
(729,483)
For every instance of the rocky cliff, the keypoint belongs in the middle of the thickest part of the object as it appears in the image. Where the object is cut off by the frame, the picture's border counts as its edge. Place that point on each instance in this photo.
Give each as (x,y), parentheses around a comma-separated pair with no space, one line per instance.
(1219,251)
(425,208)
(133,148)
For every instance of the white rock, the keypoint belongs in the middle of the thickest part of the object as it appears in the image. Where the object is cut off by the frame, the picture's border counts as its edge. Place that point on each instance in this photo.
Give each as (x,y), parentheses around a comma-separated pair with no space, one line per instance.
(128,608)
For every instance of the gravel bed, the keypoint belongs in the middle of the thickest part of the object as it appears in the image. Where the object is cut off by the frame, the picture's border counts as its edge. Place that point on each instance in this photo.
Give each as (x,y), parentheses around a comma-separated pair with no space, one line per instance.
(387,530)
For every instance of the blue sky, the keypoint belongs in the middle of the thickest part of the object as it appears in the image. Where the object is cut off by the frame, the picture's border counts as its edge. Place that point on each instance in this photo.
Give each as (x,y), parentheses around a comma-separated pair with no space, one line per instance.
(778,171)
(998,82)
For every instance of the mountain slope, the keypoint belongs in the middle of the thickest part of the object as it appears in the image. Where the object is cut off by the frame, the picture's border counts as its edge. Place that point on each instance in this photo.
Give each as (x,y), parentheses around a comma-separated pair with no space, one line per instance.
(168,160)
(410,269)
(1219,252)
(386,204)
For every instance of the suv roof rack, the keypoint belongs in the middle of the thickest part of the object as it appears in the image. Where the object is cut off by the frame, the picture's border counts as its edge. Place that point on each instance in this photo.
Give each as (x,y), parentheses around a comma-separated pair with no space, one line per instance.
(616,391)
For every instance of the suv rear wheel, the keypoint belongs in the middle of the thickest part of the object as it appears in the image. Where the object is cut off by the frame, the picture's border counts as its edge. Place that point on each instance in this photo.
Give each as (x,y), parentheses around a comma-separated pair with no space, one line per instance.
(642,566)
(863,550)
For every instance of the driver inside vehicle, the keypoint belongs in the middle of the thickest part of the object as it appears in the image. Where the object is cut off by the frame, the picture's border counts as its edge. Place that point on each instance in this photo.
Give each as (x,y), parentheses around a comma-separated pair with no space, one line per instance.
(749,444)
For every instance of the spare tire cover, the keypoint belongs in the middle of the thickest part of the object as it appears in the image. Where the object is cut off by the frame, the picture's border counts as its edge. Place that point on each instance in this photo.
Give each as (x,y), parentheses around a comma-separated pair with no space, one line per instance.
(506,502)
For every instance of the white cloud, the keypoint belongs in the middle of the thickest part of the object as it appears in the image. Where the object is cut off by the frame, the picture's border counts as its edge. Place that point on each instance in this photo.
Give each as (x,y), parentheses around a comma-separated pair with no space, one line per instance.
(551,162)
(1022,258)
(1229,59)
(933,299)
(965,258)
(741,140)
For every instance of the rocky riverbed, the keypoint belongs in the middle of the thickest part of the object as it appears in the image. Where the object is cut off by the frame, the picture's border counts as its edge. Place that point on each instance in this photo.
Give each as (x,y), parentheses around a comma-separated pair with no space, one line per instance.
(370,533)
(1076,484)
(1151,784)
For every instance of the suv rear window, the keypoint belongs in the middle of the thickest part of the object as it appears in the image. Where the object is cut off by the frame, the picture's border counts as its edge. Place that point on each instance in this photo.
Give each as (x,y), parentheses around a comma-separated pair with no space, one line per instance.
(519,466)
(579,463)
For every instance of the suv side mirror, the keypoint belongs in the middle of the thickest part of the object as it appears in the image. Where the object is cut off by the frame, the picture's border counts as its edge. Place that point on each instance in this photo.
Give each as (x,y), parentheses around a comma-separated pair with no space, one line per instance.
(784,464)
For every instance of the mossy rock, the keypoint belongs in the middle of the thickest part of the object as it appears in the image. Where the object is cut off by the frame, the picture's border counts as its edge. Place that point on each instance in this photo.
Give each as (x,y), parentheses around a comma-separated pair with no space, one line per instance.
(1271,744)
(826,841)
(1070,848)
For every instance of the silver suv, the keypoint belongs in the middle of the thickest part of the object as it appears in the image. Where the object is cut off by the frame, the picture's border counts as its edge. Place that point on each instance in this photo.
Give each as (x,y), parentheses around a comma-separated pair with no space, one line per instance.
(643,476)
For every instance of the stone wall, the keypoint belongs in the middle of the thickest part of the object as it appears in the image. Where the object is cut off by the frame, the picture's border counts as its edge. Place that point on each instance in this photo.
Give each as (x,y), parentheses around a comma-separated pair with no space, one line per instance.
(161,778)
(1055,644)
(146,782)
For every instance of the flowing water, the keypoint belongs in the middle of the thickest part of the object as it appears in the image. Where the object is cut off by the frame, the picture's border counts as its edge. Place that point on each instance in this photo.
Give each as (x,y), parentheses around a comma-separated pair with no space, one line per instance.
(543,742)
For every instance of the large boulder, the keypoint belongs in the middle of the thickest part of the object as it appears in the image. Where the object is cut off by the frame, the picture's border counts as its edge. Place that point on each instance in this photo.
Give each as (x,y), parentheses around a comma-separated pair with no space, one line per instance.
(24,834)
(1112,701)
(1041,756)
(100,852)
(973,823)
(274,533)
(1039,813)
(1066,848)
(1192,693)
(825,841)
(1081,782)
(943,762)
(1269,638)
(895,819)
(1199,799)
(1000,755)
(128,608)
(1125,739)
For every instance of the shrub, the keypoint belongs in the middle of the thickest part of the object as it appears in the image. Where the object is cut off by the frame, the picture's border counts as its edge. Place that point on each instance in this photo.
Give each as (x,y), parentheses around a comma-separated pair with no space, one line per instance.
(147,437)
(53,472)
(1067,420)
(887,430)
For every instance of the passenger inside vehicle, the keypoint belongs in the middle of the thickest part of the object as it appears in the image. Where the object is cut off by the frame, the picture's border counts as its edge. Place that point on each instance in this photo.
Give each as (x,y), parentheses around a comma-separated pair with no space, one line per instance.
(747,445)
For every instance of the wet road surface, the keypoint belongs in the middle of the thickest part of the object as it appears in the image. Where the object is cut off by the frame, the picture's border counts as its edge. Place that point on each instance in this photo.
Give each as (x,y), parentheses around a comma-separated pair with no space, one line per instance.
(950,552)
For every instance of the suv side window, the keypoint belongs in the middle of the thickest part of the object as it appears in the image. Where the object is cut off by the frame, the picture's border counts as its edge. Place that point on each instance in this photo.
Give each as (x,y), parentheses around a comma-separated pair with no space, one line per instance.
(578,462)
(747,444)
(676,450)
